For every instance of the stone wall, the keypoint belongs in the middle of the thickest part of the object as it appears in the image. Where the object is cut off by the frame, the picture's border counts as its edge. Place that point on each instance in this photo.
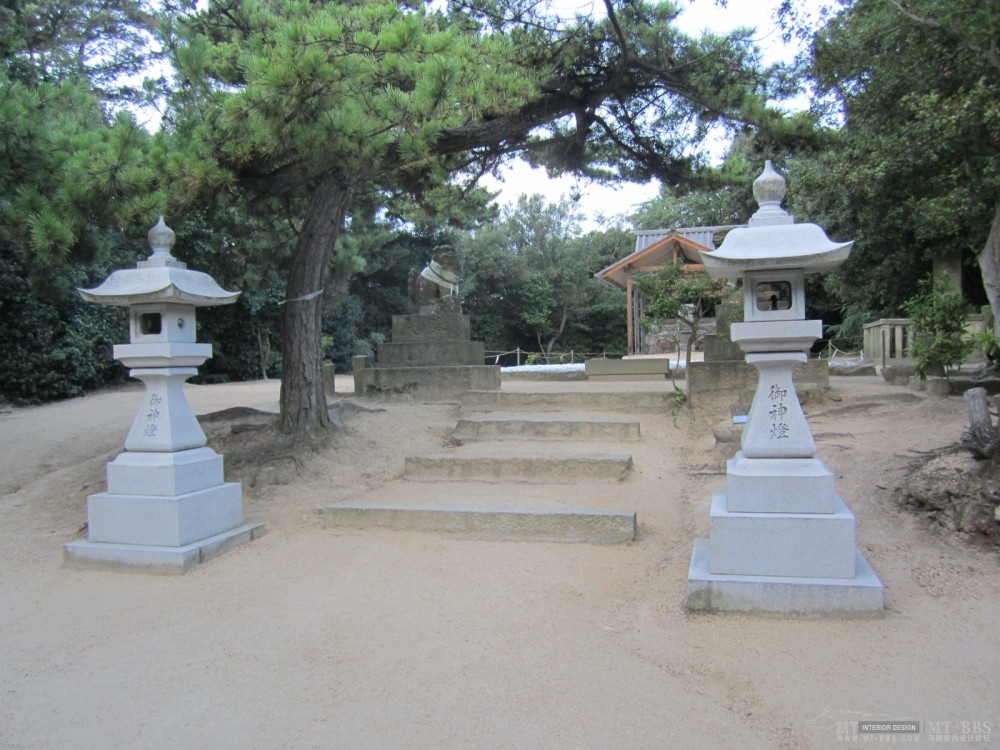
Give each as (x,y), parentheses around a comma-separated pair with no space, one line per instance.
(725,383)
(673,337)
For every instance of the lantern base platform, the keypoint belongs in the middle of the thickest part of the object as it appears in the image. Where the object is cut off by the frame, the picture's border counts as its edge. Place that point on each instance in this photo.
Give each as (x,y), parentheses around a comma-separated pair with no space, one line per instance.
(783,595)
(165,521)
(139,558)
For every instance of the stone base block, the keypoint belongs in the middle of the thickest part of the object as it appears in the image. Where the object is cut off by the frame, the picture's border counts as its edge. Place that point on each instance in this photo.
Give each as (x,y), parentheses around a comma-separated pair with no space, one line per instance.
(430,353)
(937,386)
(710,381)
(720,349)
(779,485)
(435,326)
(707,591)
(729,380)
(164,474)
(147,520)
(587,526)
(426,382)
(806,545)
(329,379)
(137,558)
(899,374)
(657,368)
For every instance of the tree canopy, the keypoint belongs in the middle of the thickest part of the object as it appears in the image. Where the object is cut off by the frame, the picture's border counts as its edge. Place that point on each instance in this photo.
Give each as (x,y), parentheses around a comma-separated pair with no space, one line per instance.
(528,280)
(311,152)
(675,291)
(913,90)
(314,105)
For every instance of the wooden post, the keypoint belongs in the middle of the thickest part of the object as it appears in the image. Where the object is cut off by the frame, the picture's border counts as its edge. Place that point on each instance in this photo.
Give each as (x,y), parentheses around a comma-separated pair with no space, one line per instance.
(629,322)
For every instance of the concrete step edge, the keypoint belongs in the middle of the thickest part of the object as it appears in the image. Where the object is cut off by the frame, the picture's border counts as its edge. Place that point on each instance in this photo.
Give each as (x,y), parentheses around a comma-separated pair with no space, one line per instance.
(510,467)
(499,524)
(596,401)
(545,428)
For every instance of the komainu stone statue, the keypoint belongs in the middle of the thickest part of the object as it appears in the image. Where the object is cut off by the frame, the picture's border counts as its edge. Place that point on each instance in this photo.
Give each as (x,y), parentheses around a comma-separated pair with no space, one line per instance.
(435,288)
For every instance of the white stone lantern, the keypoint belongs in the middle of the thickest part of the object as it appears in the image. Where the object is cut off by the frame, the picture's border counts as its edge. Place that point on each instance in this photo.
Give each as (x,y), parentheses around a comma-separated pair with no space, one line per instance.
(780,539)
(167,506)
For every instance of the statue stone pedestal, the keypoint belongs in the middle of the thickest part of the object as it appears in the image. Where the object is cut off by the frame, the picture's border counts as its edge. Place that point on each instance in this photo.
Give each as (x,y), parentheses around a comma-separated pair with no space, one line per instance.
(430,356)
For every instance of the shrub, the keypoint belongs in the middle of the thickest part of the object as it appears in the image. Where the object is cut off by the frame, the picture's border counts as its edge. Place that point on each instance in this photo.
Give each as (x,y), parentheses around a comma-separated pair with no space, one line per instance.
(939,316)
(53,345)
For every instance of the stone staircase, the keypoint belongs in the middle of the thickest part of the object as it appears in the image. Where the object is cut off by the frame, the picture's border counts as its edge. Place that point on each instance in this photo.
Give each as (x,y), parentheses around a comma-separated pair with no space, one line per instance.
(561,456)
(522,466)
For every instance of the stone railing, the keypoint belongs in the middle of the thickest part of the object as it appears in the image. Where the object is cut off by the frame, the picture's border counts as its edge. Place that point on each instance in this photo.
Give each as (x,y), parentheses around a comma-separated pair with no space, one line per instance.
(886,341)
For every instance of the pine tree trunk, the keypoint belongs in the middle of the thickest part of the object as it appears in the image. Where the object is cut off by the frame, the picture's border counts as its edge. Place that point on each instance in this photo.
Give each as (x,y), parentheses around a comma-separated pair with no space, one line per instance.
(989,267)
(303,400)
(982,439)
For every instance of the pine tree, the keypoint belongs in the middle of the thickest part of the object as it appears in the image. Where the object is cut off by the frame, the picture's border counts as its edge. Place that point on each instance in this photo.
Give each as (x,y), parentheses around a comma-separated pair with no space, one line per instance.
(317,103)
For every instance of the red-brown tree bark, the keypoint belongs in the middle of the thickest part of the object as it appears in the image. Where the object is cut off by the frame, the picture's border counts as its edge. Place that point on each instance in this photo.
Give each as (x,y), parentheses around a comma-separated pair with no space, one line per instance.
(303,400)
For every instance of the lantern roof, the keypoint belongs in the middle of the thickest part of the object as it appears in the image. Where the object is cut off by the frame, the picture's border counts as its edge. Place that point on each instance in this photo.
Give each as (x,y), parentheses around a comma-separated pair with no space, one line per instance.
(772,240)
(159,278)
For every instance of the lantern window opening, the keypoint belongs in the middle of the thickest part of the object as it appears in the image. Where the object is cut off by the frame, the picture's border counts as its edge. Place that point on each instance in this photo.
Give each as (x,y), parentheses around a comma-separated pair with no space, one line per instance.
(773,295)
(152,324)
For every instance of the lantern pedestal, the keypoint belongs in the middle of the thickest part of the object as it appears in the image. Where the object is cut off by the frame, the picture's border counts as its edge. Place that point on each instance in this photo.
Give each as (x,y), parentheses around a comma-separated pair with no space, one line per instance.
(167,506)
(780,540)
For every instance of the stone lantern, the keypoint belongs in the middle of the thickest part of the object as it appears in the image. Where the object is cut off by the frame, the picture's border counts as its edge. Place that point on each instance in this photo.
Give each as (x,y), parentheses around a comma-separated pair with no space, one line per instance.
(167,506)
(780,538)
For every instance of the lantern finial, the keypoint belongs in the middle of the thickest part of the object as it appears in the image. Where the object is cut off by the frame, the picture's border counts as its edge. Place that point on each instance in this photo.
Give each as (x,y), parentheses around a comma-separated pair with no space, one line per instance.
(769,190)
(161,240)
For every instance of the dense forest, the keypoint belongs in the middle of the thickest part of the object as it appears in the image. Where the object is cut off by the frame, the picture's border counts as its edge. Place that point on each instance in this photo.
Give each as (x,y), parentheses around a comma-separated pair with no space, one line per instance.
(298,147)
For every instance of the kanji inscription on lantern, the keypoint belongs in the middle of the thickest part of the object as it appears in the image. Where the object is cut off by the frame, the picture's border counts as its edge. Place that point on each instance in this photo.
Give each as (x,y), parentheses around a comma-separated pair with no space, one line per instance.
(152,415)
(779,427)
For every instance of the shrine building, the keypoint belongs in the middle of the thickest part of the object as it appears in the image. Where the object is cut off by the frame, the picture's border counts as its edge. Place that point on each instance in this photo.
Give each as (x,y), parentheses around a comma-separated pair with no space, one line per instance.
(654,248)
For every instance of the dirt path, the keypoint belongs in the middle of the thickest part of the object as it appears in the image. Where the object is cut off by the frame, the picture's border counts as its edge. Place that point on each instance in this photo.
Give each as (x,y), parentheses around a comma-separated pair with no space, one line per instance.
(322,638)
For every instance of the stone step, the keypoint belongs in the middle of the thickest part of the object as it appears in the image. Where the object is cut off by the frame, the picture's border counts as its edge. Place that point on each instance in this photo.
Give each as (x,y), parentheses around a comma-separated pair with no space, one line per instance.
(534,427)
(586,401)
(646,368)
(505,467)
(505,524)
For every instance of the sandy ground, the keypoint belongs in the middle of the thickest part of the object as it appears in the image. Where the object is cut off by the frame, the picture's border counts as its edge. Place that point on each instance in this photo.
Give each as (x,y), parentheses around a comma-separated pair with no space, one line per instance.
(315,637)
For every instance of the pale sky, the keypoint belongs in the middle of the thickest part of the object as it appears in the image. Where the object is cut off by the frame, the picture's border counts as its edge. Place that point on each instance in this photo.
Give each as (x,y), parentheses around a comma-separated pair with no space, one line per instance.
(698,15)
